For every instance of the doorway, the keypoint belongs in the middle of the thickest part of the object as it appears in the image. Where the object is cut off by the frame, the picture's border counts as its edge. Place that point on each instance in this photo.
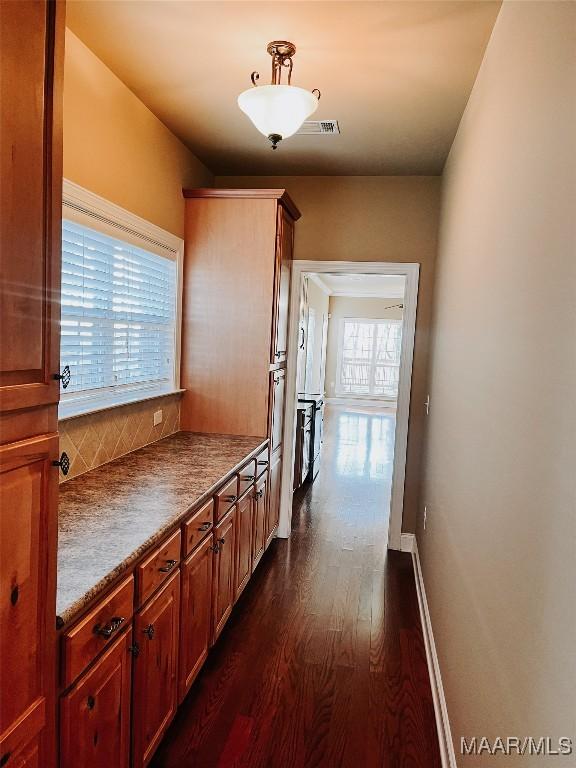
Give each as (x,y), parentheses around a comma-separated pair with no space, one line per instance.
(353,350)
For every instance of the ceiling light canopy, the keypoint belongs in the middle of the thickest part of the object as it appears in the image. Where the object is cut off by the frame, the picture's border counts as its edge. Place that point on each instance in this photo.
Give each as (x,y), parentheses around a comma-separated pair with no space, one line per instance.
(278,110)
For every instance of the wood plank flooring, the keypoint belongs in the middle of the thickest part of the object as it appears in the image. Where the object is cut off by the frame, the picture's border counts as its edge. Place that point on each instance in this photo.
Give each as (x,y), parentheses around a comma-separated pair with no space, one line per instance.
(322,663)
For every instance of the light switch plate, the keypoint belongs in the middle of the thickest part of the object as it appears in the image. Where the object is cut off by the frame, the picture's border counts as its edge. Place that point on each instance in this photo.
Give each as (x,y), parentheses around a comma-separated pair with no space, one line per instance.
(157,418)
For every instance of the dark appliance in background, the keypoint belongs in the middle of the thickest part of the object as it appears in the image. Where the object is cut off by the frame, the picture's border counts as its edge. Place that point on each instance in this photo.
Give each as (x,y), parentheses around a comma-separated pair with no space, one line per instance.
(309,430)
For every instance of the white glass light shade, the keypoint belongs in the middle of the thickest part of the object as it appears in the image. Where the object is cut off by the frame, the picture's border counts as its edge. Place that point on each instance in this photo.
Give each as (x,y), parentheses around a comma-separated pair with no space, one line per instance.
(277,109)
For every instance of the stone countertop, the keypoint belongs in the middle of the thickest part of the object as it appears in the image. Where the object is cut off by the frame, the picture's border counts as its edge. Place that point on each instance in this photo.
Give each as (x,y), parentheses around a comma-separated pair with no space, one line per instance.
(111,515)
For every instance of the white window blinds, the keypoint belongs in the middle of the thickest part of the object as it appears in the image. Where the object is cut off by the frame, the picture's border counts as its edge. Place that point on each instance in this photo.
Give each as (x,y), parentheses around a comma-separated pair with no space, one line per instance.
(369,358)
(118,313)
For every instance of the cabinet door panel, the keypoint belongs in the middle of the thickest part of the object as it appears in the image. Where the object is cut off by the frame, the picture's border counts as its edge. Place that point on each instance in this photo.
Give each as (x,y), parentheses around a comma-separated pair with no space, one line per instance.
(28,504)
(95,714)
(243,563)
(223,585)
(278,385)
(155,670)
(274,500)
(30,203)
(260,508)
(196,614)
(285,243)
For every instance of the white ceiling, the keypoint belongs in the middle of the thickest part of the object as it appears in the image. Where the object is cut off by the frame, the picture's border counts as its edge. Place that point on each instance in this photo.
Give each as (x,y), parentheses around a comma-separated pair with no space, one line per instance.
(362,286)
(396,74)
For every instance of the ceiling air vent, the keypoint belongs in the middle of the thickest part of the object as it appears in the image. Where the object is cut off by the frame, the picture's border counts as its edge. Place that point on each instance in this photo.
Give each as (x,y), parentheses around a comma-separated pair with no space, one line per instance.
(313,127)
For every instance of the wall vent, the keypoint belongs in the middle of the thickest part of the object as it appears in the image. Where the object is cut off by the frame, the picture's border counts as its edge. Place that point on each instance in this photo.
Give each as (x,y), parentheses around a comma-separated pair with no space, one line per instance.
(312,127)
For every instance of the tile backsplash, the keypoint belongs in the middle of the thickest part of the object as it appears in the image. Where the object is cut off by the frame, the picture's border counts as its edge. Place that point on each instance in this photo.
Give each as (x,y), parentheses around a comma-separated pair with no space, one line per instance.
(98,438)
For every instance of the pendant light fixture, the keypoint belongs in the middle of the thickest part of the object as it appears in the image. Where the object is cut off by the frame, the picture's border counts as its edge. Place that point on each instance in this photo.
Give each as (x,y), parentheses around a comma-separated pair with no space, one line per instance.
(278,110)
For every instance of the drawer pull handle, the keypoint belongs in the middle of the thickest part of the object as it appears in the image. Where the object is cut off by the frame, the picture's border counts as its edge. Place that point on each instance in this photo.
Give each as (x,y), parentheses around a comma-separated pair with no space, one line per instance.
(248,478)
(260,493)
(113,626)
(262,463)
(149,631)
(230,498)
(168,567)
(280,353)
(205,526)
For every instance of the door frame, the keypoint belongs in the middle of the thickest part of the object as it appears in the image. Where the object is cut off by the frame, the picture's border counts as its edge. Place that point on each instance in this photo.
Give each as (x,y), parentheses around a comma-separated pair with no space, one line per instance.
(300,270)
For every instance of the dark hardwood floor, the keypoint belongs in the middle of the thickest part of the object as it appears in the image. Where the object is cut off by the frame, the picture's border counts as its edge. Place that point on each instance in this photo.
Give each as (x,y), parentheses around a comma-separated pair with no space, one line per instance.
(322,662)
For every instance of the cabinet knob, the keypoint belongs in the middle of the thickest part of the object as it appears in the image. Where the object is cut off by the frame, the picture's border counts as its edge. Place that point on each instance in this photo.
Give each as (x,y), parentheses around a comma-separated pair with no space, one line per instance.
(149,631)
(229,498)
(222,541)
(64,377)
(168,567)
(259,493)
(63,462)
(90,702)
(113,626)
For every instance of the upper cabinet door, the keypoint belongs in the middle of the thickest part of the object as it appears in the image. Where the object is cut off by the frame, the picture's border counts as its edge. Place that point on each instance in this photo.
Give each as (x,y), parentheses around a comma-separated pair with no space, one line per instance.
(284,249)
(30,201)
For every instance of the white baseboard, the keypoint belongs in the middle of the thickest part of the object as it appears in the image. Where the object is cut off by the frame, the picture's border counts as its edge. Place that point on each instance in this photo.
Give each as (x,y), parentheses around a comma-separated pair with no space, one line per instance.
(407,542)
(448,758)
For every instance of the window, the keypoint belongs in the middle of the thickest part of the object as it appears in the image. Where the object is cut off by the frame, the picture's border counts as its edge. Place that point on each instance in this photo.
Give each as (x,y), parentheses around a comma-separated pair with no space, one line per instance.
(119,313)
(369,358)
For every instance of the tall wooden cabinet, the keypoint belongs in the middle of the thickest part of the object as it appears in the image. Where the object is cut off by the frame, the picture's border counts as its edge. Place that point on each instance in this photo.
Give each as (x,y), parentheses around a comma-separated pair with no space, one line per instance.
(239,249)
(31,33)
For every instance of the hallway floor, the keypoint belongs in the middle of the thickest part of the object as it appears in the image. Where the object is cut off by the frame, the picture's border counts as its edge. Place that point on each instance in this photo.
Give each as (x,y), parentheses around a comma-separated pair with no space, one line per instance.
(322,662)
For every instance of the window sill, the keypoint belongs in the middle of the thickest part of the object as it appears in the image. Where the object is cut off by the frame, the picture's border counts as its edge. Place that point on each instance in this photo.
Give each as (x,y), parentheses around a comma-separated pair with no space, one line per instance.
(74,408)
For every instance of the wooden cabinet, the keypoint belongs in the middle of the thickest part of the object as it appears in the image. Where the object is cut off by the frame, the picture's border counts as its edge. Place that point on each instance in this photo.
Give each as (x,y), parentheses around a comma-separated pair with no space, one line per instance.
(278,387)
(259,525)
(274,499)
(155,694)
(95,714)
(285,246)
(223,581)
(31,206)
(235,307)
(32,35)
(89,637)
(243,554)
(28,526)
(156,567)
(195,614)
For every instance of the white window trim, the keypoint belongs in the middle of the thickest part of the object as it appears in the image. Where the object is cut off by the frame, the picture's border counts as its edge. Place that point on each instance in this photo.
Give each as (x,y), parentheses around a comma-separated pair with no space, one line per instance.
(341,393)
(119,222)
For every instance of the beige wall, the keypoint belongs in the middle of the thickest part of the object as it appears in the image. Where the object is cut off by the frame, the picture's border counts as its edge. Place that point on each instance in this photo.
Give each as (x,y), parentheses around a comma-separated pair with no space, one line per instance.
(345,306)
(372,218)
(499,549)
(115,147)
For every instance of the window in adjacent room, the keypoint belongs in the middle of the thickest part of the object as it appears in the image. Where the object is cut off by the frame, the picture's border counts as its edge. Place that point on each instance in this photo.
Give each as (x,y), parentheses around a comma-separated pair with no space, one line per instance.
(369,358)
(119,315)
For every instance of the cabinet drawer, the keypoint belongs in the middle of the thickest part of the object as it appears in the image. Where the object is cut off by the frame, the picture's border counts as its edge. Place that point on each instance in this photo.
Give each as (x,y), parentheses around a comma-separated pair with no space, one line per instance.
(246,477)
(262,461)
(198,527)
(225,498)
(157,567)
(84,641)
